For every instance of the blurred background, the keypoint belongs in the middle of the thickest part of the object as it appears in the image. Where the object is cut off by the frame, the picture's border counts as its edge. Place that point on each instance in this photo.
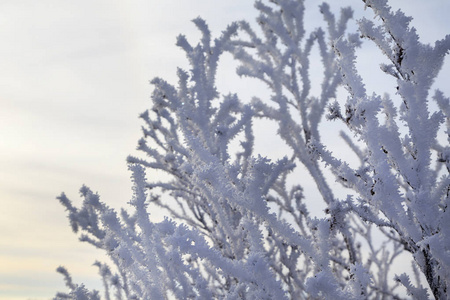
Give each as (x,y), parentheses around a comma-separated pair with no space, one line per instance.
(74,76)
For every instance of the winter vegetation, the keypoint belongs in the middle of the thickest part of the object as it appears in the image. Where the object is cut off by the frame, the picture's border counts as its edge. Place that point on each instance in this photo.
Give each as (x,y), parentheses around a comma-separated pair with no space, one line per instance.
(238,225)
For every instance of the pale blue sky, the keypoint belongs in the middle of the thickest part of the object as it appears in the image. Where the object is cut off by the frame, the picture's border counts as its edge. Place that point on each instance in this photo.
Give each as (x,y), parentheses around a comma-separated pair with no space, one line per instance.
(73,79)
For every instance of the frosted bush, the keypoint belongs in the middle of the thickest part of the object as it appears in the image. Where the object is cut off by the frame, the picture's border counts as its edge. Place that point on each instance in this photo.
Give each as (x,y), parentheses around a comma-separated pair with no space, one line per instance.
(235,228)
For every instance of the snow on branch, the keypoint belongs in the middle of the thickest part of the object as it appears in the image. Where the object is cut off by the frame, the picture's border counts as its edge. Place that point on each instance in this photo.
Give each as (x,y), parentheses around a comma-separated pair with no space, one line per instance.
(238,224)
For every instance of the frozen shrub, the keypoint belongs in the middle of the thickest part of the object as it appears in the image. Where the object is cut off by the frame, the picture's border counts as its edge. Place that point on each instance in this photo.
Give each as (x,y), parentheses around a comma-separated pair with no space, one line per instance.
(235,228)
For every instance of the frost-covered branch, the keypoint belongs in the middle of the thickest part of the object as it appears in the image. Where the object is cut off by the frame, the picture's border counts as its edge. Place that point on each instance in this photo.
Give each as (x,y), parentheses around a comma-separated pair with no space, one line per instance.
(404,186)
(237,227)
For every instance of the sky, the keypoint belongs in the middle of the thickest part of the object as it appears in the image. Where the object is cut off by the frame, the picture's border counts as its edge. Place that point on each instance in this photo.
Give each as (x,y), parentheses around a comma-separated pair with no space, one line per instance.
(74,76)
